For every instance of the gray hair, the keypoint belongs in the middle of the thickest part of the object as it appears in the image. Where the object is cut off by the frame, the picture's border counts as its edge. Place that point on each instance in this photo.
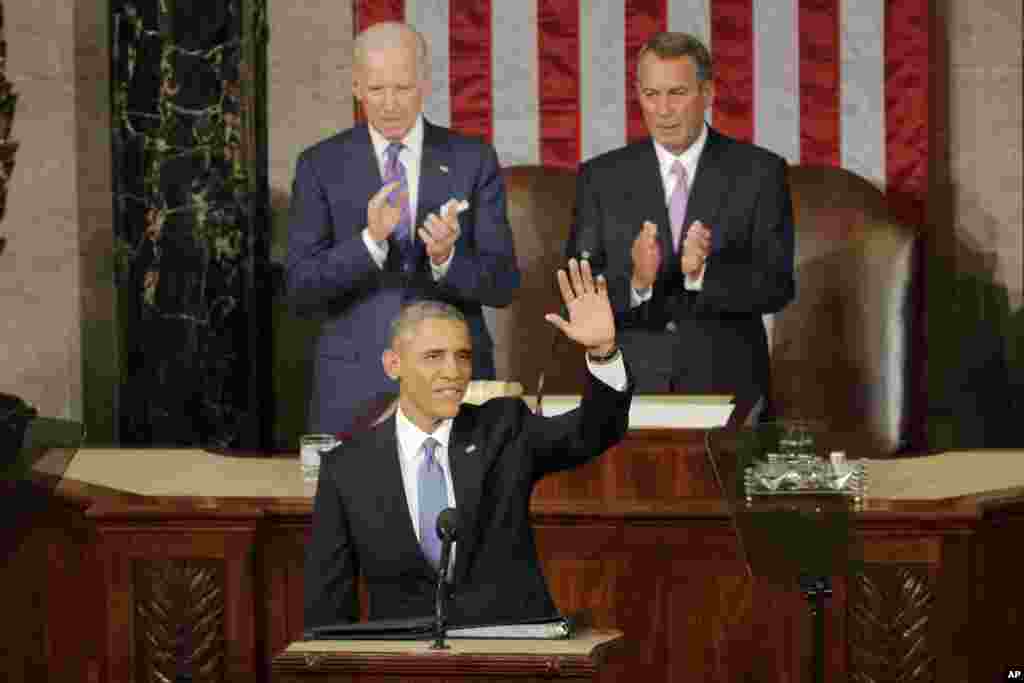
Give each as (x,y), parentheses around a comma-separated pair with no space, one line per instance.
(670,45)
(392,34)
(413,314)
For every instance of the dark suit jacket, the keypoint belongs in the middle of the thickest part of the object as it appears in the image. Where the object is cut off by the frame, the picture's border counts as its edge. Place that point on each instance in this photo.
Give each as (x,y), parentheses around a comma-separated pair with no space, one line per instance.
(742,194)
(330,273)
(361,522)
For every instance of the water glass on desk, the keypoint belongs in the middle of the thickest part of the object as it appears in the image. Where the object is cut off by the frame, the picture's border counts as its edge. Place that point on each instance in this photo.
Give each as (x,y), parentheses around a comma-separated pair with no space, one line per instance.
(310,448)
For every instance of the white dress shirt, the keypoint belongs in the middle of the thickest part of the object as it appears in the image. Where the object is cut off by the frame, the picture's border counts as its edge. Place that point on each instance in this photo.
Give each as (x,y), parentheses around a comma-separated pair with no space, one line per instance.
(411,157)
(689,158)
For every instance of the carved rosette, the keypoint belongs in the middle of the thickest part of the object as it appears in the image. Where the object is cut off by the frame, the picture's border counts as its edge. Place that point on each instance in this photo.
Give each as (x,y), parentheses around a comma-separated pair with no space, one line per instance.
(8,100)
(179,629)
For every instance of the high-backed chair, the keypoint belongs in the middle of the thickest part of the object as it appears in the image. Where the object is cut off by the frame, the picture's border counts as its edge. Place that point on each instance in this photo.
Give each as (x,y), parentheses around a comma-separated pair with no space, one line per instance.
(540,203)
(843,351)
(846,349)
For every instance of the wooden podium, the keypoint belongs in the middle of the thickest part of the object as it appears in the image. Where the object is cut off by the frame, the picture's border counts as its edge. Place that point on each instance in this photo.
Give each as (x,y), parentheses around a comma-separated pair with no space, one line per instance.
(576,659)
(132,546)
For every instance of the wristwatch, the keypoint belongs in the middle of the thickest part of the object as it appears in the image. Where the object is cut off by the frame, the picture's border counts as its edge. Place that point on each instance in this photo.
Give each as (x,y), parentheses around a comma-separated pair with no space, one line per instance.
(606,358)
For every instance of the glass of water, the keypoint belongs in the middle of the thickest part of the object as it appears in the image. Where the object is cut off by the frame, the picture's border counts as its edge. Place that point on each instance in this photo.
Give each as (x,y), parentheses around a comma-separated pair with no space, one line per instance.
(311,446)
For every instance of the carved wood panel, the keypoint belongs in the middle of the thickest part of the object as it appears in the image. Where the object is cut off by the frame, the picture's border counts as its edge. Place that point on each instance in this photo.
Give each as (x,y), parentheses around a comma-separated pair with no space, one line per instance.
(179,611)
(890,615)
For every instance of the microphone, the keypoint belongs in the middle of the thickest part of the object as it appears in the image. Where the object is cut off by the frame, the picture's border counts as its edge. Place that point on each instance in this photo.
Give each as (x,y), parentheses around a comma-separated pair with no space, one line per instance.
(447,531)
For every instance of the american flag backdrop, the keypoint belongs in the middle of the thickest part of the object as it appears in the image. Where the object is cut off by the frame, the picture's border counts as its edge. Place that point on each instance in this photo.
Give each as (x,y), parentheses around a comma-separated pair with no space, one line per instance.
(835,82)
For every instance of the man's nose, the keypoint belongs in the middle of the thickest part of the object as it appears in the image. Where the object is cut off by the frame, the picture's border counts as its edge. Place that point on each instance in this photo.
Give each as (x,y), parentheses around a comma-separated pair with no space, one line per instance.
(450,368)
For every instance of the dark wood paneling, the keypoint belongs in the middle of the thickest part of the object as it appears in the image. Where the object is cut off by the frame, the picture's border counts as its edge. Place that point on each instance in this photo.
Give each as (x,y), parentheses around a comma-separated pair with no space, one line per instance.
(172,550)
(614,537)
(651,465)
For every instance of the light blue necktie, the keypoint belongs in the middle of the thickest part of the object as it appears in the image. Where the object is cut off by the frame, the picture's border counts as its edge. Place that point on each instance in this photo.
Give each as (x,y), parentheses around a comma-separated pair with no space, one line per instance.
(394,170)
(433,497)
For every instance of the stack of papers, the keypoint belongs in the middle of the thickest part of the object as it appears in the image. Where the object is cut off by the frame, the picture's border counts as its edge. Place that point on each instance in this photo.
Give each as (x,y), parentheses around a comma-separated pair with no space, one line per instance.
(657,411)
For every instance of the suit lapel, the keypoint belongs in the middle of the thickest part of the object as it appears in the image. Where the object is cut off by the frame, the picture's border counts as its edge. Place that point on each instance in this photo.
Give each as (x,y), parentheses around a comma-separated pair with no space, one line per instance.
(649,195)
(711,187)
(435,168)
(363,157)
(467,461)
(384,473)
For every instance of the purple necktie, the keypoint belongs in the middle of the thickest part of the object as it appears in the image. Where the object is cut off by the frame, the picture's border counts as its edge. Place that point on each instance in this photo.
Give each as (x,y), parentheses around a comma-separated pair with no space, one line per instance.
(677,204)
(433,497)
(395,170)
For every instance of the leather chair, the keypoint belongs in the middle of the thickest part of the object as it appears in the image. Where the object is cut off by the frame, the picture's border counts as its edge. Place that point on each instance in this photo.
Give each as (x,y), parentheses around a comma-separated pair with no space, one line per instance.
(540,204)
(842,351)
(846,350)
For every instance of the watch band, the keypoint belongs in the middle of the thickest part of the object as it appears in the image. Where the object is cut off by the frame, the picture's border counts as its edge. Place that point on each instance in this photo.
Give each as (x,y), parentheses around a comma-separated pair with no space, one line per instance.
(606,358)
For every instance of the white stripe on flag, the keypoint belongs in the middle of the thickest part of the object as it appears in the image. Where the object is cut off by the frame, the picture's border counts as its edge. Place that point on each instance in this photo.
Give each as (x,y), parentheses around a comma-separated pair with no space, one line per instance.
(862,89)
(777,77)
(693,17)
(430,17)
(602,77)
(690,16)
(515,94)
(777,87)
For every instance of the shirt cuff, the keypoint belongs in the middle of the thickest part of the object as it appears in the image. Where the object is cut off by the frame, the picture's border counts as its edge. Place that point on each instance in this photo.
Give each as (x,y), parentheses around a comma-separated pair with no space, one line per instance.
(638,298)
(695,283)
(442,270)
(378,250)
(612,373)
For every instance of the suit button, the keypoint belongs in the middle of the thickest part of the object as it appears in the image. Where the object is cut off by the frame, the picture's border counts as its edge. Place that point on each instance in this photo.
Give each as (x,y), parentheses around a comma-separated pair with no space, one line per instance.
(670,327)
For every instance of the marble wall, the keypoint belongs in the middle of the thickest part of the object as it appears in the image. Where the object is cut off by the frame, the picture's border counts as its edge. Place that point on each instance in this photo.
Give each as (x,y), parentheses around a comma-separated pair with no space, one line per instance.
(39,270)
(56,292)
(985,140)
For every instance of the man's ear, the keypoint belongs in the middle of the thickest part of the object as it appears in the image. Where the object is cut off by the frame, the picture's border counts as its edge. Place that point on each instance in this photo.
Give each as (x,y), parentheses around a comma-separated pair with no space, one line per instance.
(708,87)
(392,364)
(356,91)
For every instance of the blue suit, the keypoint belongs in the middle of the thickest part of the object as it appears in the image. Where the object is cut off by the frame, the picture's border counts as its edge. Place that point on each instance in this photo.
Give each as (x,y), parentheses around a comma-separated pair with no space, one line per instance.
(329,271)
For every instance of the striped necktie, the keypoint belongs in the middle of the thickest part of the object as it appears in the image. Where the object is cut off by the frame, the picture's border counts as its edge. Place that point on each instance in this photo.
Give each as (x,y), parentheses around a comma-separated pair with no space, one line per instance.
(394,170)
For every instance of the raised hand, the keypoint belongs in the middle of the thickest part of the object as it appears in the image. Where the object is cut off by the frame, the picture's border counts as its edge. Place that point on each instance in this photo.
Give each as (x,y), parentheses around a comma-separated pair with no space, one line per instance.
(381,215)
(591,322)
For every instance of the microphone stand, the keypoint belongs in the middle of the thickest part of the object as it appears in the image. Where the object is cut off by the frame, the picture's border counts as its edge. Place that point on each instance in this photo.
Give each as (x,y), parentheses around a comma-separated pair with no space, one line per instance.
(446,531)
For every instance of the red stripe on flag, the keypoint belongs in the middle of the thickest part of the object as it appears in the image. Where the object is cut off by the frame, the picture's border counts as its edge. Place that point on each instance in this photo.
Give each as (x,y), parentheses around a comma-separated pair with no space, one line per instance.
(906,108)
(469,67)
(818,29)
(368,13)
(644,18)
(558,79)
(732,47)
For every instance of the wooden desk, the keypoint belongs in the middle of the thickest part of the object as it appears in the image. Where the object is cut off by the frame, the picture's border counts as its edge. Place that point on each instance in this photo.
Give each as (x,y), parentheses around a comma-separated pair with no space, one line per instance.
(98,579)
(481,661)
